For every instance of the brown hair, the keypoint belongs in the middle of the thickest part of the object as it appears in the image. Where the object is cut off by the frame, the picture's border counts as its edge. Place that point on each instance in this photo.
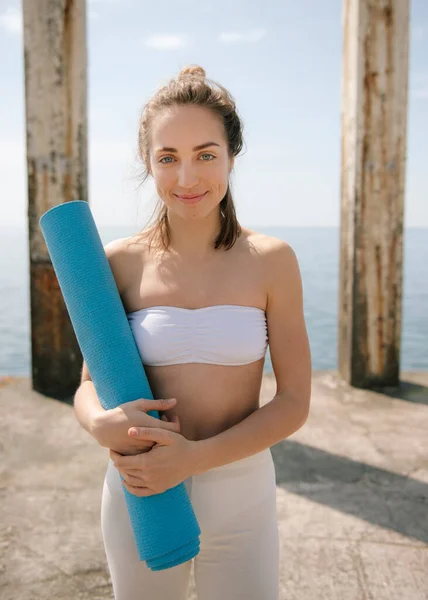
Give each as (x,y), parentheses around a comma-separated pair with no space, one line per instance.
(192,87)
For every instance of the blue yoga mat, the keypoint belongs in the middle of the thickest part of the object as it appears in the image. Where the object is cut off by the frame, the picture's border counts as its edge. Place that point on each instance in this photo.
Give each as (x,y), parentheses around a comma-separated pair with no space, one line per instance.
(164,525)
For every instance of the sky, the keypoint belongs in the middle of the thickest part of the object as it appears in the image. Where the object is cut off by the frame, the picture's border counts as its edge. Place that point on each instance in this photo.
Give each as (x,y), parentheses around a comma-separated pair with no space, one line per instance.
(280,59)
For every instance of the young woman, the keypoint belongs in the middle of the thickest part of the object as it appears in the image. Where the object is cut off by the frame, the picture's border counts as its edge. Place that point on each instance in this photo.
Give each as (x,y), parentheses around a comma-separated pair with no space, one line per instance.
(204,297)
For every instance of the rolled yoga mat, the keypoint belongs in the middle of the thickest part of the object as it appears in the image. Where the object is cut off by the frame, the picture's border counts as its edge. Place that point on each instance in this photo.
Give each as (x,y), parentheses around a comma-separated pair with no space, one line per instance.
(164,525)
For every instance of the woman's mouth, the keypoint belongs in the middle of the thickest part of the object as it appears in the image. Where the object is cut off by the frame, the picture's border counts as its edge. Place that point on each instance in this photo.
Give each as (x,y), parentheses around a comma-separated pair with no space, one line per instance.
(190,198)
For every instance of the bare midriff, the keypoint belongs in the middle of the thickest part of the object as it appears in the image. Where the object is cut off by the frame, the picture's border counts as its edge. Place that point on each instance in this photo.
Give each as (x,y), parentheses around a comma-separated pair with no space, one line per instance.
(210,398)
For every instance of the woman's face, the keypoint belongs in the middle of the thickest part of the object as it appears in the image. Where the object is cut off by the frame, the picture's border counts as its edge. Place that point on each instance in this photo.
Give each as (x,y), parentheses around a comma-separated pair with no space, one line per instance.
(189,157)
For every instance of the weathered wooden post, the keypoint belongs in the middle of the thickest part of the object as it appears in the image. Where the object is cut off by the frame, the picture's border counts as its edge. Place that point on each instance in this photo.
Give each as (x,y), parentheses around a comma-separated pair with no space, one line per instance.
(55,61)
(374,124)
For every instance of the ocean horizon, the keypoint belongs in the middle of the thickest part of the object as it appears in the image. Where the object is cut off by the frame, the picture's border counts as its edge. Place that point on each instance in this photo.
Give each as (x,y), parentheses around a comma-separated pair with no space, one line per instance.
(317,250)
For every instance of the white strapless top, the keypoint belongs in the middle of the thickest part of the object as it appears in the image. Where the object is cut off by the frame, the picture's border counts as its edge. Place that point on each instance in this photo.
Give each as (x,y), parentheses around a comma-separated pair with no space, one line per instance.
(224,334)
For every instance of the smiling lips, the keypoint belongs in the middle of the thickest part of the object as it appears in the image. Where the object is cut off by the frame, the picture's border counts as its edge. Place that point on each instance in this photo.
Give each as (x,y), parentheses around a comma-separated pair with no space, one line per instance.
(190,198)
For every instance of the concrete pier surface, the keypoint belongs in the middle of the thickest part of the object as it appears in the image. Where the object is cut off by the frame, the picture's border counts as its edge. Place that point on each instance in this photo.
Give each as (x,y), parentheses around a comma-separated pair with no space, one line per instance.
(352,496)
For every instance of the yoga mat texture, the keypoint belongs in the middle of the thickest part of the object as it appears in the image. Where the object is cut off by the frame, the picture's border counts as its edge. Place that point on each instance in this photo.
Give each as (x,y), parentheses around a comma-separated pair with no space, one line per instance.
(164,525)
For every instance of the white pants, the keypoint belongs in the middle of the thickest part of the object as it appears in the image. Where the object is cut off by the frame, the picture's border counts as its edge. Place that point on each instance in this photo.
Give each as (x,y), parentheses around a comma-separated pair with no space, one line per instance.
(235,505)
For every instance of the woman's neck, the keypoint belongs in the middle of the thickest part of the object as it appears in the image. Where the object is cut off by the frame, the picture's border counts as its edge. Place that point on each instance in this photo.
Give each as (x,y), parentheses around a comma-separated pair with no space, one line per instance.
(194,238)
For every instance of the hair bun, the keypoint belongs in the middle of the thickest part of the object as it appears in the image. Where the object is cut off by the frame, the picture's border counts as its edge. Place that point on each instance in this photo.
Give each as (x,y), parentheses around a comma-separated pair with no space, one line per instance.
(192,71)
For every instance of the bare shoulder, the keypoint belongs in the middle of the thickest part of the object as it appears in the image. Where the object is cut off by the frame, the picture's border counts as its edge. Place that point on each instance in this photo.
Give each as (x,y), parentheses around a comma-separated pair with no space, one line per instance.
(274,252)
(118,248)
(124,255)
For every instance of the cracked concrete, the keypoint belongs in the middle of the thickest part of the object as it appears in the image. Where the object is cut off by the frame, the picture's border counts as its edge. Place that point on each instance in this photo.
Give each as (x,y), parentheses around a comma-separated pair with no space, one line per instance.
(352,496)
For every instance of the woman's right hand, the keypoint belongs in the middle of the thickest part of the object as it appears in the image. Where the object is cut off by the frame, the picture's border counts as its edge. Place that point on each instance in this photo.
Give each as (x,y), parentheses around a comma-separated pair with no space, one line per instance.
(112,425)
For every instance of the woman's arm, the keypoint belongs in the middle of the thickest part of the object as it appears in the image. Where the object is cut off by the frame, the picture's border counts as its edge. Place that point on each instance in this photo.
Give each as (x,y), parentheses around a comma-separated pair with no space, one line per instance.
(291,361)
(110,427)
(87,407)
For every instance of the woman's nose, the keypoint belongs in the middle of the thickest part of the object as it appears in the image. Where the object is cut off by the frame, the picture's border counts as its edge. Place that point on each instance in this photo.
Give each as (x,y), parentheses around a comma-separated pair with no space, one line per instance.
(187,175)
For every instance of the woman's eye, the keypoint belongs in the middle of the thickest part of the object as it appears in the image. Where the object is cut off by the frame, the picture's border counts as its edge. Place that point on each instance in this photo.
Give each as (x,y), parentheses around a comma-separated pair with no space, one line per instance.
(164,160)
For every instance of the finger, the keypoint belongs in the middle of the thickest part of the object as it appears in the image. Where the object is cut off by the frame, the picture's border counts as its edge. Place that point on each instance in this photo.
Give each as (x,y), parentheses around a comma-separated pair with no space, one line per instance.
(160,404)
(170,426)
(161,436)
(134,480)
(141,492)
(132,461)
(150,421)
(173,421)
(131,473)
(144,447)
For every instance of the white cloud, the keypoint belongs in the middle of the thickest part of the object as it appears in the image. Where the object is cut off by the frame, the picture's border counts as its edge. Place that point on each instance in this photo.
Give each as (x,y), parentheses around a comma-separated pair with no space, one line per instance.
(166,42)
(250,36)
(11,21)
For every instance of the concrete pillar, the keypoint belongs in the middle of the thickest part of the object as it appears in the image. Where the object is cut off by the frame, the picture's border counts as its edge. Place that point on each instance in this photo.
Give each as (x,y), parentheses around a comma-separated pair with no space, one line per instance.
(55,62)
(374,123)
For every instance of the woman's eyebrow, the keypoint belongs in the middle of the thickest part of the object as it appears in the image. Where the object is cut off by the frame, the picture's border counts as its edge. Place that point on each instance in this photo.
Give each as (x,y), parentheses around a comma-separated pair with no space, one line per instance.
(200,147)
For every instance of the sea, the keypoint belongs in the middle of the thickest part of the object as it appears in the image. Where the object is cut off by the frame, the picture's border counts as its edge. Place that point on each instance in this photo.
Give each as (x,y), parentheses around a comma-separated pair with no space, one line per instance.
(317,250)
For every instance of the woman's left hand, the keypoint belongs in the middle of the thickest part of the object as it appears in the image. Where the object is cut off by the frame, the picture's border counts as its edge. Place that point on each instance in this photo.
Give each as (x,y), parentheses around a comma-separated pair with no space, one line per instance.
(168,463)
